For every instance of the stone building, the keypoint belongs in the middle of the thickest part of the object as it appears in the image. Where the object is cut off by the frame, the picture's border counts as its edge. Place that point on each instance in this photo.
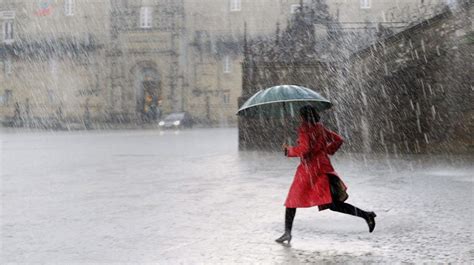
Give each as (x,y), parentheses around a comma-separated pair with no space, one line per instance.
(123,61)
(52,54)
(144,59)
(406,92)
(76,62)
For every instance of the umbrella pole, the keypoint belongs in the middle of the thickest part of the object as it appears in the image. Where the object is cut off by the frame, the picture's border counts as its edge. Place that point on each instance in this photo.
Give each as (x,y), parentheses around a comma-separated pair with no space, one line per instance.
(286,139)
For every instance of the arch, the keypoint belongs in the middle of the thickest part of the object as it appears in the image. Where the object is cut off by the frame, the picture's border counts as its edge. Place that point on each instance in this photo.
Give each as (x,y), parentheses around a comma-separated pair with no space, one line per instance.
(146,83)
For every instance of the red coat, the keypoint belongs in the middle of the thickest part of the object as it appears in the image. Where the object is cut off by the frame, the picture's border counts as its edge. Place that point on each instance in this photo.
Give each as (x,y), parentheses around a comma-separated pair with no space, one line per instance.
(310,186)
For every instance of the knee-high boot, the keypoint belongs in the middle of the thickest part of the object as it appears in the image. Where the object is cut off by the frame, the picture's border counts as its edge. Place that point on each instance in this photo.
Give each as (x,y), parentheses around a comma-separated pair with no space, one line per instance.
(347,208)
(289,217)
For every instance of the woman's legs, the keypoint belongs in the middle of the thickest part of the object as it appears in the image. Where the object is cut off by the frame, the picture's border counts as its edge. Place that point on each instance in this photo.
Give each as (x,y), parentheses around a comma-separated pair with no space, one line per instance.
(338,204)
(289,217)
(347,208)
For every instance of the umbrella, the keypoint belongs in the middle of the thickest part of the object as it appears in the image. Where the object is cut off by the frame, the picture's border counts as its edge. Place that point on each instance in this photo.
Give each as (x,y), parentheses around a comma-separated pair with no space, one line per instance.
(279,101)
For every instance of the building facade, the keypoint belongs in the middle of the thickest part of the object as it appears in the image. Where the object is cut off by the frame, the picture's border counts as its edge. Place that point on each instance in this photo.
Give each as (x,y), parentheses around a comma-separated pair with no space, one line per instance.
(52,53)
(85,63)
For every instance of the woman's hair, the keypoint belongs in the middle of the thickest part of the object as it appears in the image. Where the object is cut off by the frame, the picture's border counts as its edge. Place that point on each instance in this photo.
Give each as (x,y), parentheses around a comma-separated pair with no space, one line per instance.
(309,114)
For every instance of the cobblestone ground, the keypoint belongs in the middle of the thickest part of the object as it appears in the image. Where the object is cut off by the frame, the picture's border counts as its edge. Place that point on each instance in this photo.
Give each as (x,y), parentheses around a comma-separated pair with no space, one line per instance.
(190,197)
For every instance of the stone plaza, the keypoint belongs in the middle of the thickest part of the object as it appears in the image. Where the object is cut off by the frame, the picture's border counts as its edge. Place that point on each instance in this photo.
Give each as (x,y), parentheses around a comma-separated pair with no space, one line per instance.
(188,197)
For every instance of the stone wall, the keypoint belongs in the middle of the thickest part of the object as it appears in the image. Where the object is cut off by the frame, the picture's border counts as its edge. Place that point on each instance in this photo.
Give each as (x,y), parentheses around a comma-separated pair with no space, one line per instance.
(416,87)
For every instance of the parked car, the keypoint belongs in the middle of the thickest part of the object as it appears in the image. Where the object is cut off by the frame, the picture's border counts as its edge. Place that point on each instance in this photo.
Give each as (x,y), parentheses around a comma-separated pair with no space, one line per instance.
(177,120)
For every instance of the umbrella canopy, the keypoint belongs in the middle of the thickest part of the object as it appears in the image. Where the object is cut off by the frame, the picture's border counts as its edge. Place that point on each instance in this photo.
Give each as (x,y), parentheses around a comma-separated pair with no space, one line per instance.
(279,101)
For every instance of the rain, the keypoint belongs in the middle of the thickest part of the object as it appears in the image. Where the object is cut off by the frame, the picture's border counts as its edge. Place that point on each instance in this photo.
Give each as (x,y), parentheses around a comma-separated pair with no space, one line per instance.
(167,131)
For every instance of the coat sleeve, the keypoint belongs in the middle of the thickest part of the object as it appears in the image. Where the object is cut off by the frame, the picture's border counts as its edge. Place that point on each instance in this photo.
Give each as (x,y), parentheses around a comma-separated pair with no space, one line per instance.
(335,141)
(302,148)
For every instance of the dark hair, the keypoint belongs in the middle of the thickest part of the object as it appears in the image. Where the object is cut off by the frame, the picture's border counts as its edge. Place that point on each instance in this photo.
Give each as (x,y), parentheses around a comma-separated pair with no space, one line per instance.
(309,114)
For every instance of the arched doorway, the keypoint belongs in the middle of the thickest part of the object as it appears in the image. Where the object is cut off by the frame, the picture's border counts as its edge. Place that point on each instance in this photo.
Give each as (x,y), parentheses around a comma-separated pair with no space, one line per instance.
(148,93)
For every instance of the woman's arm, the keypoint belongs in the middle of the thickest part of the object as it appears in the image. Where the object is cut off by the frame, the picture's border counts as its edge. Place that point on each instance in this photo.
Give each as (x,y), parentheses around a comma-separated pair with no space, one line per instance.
(302,148)
(335,141)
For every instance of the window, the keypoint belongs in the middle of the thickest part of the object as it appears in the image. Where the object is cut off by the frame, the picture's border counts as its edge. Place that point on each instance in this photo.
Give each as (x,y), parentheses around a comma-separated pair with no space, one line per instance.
(146,17)
(53,66)
(69,7)
(8,66)
(226,98)
(50,96)
(364,4)
(235,5)
(7,97)
(8,31)
(227,64)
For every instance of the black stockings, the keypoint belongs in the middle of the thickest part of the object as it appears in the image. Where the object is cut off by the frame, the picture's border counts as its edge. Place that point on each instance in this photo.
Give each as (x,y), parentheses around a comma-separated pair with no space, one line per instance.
(336,206)
(347,208)
(289,217)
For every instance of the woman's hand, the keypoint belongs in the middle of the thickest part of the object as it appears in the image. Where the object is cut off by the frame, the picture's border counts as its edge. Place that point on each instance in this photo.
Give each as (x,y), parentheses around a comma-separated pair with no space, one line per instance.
(285,148)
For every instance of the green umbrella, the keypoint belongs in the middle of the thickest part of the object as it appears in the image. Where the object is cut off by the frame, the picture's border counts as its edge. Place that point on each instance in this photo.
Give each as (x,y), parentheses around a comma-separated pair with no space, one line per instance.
(279,101)
(282,101)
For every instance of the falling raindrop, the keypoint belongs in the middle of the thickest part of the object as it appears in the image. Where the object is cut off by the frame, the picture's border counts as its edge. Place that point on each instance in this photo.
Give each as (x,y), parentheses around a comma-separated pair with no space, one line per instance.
(423,88)
(418,124)
(364,159)
(338,125)
(364,98)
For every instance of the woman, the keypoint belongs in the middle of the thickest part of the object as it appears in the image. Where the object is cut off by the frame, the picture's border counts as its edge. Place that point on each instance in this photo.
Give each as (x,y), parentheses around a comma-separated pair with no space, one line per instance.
(315,182)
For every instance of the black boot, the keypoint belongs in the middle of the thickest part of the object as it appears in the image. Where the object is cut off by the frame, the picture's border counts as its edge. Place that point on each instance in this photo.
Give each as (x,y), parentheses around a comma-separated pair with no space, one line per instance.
(347,208)
(285,237)
(289,217)
(371,221)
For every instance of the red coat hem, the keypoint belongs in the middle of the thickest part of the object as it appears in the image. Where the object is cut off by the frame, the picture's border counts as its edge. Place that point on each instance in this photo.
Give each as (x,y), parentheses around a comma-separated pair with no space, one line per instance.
(308,205)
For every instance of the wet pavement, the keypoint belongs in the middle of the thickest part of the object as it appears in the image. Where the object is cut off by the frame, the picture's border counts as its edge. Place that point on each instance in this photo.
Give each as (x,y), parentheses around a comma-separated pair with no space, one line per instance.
(145,196)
